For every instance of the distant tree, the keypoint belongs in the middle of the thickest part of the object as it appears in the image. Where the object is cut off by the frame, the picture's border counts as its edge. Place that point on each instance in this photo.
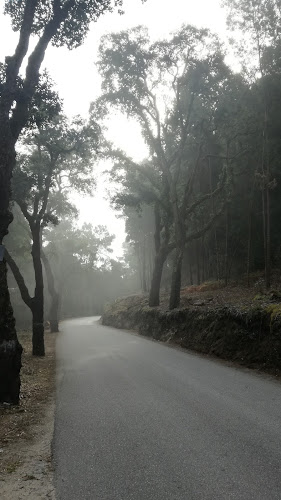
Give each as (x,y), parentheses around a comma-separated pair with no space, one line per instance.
(78,256)
(259,23)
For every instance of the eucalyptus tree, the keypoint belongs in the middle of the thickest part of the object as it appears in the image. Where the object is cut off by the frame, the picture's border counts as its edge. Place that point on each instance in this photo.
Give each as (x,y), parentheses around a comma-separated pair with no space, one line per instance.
(140,229)
(60,22)
(170,88)
(58,158)
(141,196)
(142,188)
(258,26)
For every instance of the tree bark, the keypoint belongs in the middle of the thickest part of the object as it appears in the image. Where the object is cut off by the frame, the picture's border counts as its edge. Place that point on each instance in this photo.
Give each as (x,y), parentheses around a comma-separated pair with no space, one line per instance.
(144,283)
(54,309)
(190,266)
(176,279)
(249,244)
(268,239)
(35,304)
(265,247)
(159,261)
(203,259)
(54,314)
(226,263)
(38,348)
(198,264)
(10,348)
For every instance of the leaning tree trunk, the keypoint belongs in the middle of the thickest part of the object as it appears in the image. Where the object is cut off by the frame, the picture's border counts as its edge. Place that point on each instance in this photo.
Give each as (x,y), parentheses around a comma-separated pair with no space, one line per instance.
(176,279)
(38,348)
(159,261)
(10,348)
(35,304)
(54,309)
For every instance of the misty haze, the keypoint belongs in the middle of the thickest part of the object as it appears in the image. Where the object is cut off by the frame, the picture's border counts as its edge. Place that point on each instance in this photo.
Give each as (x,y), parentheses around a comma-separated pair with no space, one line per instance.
(140,249)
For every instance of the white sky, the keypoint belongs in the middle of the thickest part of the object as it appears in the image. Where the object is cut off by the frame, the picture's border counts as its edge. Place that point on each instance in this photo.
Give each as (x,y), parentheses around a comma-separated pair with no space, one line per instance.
(78,82)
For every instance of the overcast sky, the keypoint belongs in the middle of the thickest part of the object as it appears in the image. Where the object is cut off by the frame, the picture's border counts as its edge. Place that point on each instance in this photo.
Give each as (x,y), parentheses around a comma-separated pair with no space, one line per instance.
(78,82)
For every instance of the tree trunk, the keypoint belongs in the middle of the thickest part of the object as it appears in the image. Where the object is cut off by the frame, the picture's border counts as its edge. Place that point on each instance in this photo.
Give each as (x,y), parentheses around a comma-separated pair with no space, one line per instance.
(54,314)
(144,284)
(38,348)
(190,273)
(264,221)
(35,304)
(197,264)
(226,246)
(249,245)
(190,266)
(54,309)
(203,259)
(176,279)
(268,240)
(10,348)
(159,261)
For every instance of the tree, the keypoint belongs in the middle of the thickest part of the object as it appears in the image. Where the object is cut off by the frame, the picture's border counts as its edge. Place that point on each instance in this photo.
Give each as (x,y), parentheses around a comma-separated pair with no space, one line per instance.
(61,23)
(259,22)
(144,191)
(58,157)
(171,88)
(81,262)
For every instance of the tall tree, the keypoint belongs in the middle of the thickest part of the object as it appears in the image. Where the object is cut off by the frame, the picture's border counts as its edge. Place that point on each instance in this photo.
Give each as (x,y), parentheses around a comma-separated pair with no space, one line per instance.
(259,23)
(61,23)
(170,87)
(58,157)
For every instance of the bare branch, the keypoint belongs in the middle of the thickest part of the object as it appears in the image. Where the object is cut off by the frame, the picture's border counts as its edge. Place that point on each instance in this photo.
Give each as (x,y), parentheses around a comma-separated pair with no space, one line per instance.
(19,279)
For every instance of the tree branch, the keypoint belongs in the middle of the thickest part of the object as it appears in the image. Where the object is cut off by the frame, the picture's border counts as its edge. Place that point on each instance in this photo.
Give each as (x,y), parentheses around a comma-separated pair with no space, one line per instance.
(14,62)
(19,279)
(20,113)
(25,212)
(49,274)
(198,234)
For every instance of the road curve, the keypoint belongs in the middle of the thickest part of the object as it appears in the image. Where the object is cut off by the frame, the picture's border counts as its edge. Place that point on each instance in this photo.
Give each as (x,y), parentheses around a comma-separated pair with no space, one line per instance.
(137,420)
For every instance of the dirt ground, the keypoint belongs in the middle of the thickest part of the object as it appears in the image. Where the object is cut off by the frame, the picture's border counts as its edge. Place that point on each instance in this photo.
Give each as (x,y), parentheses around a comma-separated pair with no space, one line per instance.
(26,431)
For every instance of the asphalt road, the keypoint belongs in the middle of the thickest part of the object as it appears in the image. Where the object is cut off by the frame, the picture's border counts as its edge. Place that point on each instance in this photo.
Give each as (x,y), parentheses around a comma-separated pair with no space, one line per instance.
(137,420)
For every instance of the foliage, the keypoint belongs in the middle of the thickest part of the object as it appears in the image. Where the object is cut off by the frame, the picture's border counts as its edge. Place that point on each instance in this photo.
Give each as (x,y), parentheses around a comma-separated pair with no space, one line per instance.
(56,159)
(75,17)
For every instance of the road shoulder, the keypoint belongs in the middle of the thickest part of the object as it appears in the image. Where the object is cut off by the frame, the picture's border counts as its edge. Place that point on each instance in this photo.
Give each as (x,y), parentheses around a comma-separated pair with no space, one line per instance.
(26,434)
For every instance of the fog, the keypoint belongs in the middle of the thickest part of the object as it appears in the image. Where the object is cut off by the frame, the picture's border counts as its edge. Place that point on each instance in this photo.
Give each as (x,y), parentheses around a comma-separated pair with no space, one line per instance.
(141,167)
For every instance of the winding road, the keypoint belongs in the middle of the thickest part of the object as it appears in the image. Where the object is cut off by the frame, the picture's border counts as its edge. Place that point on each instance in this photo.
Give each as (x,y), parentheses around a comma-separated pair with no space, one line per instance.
(138,420)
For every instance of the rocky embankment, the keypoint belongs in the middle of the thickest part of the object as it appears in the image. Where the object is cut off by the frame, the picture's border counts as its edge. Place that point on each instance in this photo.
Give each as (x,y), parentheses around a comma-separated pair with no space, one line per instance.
(249,335)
